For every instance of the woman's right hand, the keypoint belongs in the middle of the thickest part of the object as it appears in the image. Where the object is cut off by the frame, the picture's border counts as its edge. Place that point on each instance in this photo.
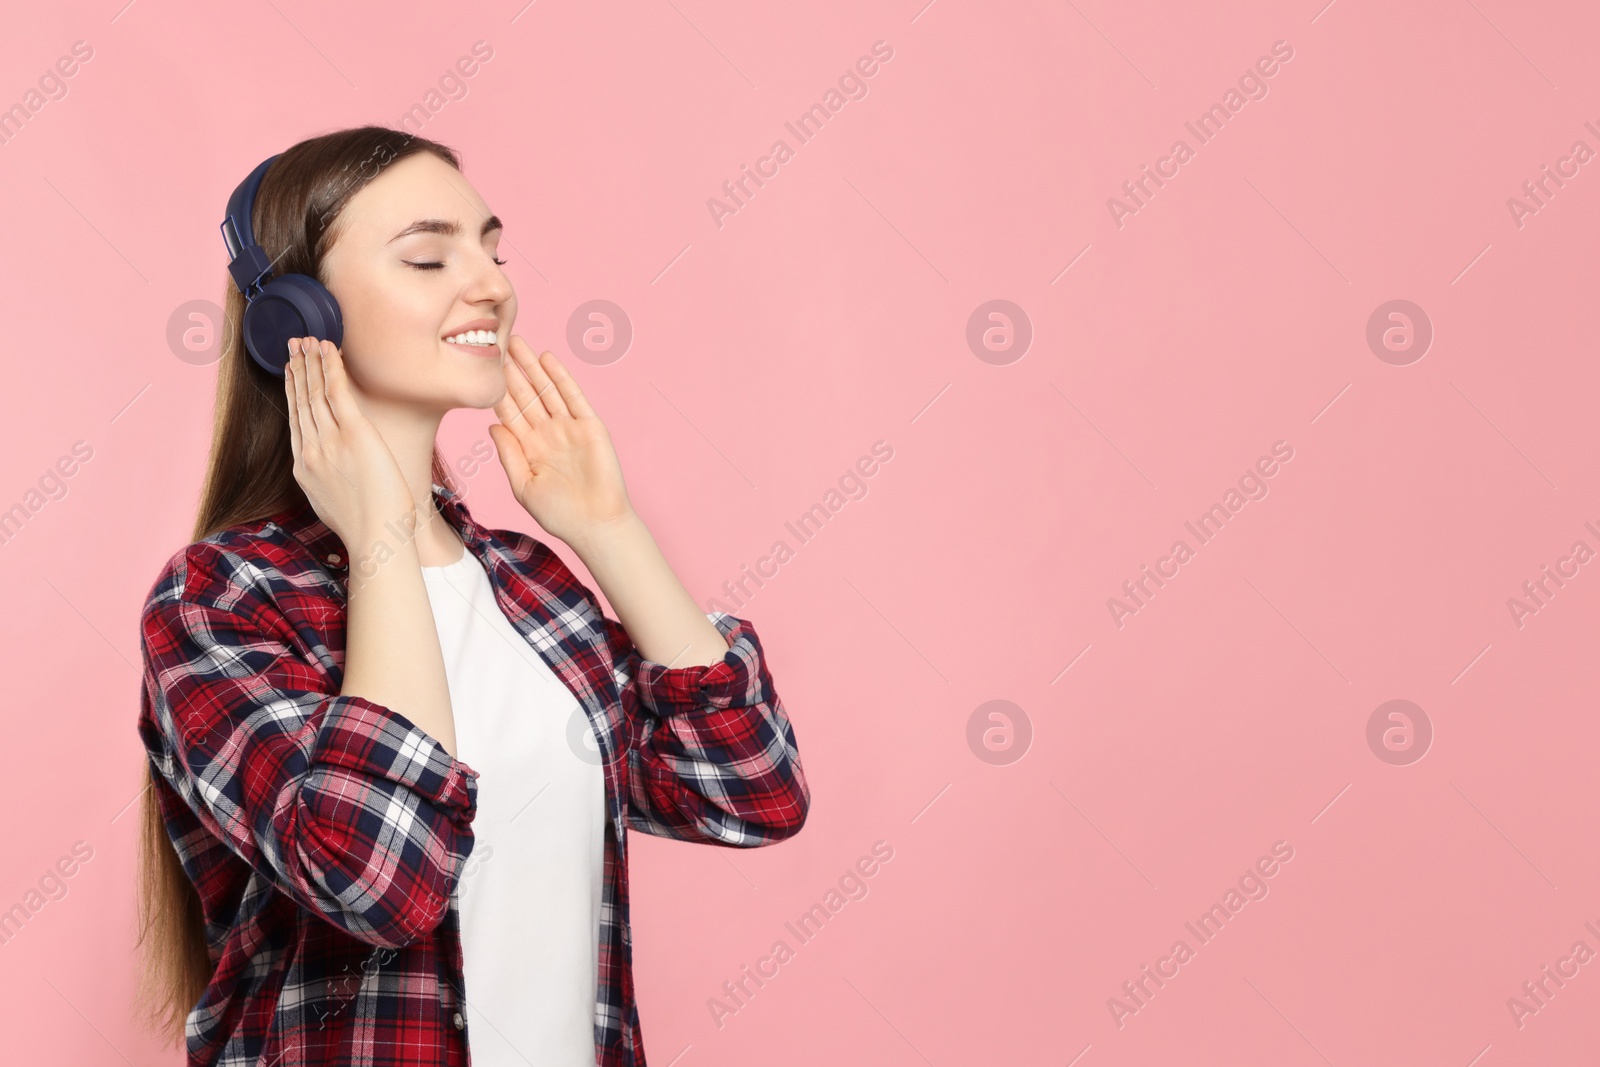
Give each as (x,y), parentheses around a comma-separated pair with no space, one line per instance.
(340,460)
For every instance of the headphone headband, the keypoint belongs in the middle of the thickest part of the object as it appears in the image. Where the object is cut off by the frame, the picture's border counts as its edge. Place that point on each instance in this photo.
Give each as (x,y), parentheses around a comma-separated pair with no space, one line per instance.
(247,260)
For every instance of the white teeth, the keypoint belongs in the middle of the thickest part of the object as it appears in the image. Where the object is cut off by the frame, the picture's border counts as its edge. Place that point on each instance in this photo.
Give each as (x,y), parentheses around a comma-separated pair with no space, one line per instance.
(475,337)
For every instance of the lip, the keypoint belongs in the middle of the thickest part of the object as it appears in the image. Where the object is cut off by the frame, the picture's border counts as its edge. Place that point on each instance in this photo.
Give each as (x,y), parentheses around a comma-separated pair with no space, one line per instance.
(481,351)
(475,324)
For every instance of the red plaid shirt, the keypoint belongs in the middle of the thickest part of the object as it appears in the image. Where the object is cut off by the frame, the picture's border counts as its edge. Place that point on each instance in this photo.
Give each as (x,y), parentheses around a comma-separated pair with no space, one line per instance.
(326,834)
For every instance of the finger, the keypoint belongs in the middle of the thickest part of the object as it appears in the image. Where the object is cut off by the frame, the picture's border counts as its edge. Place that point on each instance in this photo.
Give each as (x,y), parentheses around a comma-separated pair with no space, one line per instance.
(522,403)
(294,412)
(519,386)
(526,439)
(546,389)
(339,396)
(543,384)
(309,437)
(317,388)
(330,356)
(511,457)
(567,386)
(322,354)
(340,400)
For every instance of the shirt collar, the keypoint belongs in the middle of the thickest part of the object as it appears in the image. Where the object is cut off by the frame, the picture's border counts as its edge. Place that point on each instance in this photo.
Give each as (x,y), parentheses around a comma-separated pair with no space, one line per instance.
(325,546)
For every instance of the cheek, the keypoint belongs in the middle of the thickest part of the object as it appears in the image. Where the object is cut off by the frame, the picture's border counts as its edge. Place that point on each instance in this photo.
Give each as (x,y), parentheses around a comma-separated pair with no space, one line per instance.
(392,331)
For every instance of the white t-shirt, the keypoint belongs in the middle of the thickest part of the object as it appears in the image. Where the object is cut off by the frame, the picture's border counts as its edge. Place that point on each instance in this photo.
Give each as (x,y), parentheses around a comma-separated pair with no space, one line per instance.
(530,893)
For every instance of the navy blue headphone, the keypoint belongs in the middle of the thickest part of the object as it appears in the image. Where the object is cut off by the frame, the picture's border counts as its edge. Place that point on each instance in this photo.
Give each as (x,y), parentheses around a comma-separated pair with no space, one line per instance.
(276,309)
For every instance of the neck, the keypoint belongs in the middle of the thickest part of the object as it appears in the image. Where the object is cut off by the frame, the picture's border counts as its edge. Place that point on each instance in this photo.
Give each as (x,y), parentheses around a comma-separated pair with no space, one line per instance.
(410,435)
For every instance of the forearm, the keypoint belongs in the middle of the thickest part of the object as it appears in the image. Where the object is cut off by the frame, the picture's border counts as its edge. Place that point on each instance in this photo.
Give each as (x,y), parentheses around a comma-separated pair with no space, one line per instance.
(392,653)
(660,616)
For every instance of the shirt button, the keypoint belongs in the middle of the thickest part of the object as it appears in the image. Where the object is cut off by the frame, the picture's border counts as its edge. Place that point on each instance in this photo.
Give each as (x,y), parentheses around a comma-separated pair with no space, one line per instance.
(460,1023)
(333,557)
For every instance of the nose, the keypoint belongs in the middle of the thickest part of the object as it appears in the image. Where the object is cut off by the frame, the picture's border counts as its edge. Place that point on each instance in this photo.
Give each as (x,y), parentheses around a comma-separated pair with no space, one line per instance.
(490,283)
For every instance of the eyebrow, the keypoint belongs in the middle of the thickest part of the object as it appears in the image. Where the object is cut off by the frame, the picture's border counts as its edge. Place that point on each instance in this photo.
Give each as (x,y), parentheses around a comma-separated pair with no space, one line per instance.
(447,227)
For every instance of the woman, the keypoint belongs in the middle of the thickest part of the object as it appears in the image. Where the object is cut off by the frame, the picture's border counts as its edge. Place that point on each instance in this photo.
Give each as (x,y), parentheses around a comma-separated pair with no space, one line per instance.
(348,681)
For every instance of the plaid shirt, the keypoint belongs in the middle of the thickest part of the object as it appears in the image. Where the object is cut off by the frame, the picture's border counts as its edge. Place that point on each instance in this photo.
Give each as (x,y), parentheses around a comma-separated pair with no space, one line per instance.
(326,834)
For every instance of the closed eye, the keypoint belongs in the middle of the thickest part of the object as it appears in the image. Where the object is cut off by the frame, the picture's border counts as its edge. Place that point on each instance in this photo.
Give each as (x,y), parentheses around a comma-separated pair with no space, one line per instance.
(440,266)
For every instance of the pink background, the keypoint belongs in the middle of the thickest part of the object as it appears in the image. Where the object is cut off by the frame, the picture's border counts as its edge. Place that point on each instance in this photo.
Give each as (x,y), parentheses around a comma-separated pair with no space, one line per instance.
(830,312)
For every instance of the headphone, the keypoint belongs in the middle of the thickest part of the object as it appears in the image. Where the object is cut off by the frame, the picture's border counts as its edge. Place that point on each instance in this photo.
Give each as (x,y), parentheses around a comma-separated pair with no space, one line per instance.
(276,309)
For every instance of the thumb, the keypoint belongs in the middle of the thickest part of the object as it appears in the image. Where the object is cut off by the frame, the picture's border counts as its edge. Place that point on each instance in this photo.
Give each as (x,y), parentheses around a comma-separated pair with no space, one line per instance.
(511,457)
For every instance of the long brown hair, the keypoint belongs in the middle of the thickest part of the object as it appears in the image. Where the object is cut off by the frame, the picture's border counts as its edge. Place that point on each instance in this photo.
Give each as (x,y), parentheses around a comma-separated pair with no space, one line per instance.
(249,476)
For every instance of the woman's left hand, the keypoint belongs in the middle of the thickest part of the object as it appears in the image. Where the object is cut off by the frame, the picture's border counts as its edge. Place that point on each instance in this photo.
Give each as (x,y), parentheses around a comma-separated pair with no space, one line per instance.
(555,450)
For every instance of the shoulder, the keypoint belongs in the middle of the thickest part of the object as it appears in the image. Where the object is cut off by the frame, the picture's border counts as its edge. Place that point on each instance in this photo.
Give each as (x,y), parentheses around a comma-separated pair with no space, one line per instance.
(538,562)
(235,568)
(548,590)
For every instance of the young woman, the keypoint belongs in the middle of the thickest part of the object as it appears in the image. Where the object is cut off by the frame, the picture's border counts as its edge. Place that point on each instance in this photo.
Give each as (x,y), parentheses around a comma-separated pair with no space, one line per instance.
(394,755)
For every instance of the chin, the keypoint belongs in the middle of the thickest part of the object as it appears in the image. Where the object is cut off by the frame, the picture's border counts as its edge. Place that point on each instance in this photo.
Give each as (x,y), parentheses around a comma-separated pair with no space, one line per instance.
(485,394)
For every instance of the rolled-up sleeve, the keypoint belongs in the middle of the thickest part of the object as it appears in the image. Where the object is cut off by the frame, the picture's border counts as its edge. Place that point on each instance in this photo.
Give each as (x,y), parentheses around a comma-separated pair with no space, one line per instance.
(712,754)
(346,805)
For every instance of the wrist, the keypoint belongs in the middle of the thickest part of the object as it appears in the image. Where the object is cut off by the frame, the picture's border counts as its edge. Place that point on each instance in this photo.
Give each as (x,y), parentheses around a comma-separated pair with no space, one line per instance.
(370,549)
(599,540)
(390,530)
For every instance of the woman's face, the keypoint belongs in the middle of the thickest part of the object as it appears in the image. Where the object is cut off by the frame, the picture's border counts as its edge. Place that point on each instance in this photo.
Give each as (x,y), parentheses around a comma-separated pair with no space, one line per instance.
(411,265)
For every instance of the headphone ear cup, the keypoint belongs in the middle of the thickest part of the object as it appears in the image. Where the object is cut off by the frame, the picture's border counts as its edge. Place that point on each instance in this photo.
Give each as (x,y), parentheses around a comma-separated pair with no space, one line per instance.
(291,305)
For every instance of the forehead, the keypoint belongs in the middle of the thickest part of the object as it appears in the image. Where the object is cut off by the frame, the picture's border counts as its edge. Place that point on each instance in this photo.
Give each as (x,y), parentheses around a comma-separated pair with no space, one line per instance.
(420,186)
